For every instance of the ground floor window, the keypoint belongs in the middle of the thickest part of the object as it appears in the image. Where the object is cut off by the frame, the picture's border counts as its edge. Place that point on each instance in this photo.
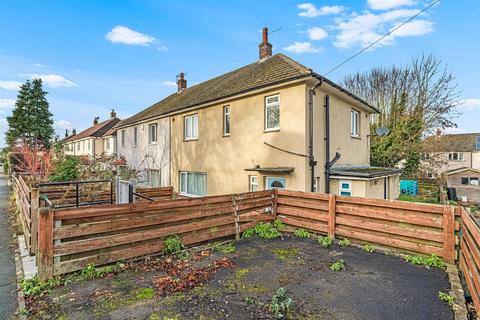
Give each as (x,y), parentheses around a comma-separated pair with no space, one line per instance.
(472,181)
(275,183)
(253,184)
(194,183)
(153,178)
(345,188)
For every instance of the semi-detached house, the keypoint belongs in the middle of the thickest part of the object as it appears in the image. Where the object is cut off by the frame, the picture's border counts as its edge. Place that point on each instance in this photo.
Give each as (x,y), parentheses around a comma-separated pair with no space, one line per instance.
(271,124)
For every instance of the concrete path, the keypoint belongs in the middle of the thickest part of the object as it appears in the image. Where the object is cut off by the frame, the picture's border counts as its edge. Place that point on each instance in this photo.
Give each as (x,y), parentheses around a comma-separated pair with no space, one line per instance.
(8,280)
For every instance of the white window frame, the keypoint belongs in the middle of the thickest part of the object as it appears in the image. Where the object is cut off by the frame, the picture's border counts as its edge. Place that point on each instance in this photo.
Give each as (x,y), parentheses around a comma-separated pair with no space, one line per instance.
(226,121)
(108,143)
(152,135)
(149,178)
(78,146)
(252,183)
(355,123)
(135,136)
(342,189)
(184,189)
(88,144)
(267,184)
(190,127)
(122,138)
(457,155)
(269,106)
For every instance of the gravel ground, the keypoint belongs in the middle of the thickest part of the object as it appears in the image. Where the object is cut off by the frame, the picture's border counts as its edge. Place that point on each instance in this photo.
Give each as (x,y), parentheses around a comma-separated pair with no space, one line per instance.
(372,286)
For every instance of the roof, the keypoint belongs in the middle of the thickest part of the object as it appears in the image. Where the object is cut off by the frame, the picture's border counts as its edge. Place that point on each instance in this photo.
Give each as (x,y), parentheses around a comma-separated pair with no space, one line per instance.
(363,171)
(462,169)
(260,74)
(97,130)
(463,142)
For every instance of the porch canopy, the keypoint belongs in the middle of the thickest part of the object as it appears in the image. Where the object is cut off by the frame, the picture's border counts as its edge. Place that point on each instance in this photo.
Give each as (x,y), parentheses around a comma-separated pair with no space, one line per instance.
(363,171)
(271,169)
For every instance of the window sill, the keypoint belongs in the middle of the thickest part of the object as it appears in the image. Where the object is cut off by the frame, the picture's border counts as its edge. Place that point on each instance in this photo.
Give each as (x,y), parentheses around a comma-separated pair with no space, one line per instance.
(188,140)
(271,130)
(226,135)
(188,195)
(356,137)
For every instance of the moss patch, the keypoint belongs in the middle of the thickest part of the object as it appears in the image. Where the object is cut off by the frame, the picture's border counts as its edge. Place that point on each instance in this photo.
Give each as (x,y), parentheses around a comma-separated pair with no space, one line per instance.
(144,293)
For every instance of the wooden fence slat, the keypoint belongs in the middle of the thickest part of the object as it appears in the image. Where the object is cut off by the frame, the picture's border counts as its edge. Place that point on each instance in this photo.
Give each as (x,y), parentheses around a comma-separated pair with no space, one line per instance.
(449,233)
(45,245)
(331,215)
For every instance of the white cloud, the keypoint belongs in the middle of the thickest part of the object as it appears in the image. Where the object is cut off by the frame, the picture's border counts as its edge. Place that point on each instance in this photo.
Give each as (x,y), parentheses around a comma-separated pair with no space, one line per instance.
(316,33)
(310,11)
(53,80)
(301,47)
(169,83)
(362,30)
(162,48)
(10,85)
(64,124)
(389,4)
(121,34)
(7,103)
(469,103)
(39,65)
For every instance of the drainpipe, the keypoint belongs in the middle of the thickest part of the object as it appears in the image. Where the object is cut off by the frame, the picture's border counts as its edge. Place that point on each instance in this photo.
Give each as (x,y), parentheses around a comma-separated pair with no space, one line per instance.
(311,157)
(328,163)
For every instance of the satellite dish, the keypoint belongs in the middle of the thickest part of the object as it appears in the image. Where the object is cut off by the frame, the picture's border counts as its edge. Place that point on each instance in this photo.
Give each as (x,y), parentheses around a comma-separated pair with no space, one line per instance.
(382,131)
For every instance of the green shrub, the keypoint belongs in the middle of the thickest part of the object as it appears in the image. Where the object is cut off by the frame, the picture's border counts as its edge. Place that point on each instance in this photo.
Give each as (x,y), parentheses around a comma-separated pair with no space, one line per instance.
(66,170)
(302,233)
(173,245)
(278,224)
(344,243)
(325,242)
(263,230)
(338,265)
(280,304)
(431,261)
(368,248)
(445,297)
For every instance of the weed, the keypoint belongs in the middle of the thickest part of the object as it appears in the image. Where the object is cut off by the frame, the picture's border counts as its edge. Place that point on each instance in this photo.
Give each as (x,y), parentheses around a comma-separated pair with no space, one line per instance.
(368,248)
(344,243)
(285,254)
(144,293)
(302,233)
(432,261)
(263,230)
(226,248)
(280,304)
(445,297)
(278,224)
(325,242)
(173,244)
(34,286)
(89,272)
(339,265)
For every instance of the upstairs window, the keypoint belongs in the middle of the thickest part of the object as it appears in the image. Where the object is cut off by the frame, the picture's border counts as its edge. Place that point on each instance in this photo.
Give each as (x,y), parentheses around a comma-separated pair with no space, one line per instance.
(455,156)
(191,127)
(135,136)
(122,138)
(355,123)
(152,133)
(272,113)
(226,121)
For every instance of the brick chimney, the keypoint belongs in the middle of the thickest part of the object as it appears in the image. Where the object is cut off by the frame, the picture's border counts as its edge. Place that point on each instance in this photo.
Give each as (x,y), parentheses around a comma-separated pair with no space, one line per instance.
(74,131)
(113,114)
(265,48)
(95,120)
(181,82)
(438,133)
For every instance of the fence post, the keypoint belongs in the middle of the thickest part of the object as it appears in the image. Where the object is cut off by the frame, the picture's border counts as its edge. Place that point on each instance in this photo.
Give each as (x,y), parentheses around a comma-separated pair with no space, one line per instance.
(34,205)
(237,218)
(275,203)
(331,215)
(45,244)
(449,234)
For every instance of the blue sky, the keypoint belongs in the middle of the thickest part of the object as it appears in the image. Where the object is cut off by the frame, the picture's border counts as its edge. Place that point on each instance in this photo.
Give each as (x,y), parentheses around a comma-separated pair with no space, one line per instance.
(98,55)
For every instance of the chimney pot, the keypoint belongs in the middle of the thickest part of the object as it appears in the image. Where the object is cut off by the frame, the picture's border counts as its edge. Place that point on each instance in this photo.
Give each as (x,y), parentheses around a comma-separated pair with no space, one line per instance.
(265,48)
(181,82)
(95,120)
(66,133)
(113,114)
(74,131)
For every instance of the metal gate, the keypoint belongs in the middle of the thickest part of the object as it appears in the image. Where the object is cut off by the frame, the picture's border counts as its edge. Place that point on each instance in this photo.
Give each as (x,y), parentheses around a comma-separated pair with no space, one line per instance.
(124,191)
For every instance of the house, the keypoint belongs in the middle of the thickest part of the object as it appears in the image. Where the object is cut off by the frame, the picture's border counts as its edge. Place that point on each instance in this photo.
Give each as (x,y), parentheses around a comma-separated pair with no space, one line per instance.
(97,140)
(446,152)
(273,123)
(465,181)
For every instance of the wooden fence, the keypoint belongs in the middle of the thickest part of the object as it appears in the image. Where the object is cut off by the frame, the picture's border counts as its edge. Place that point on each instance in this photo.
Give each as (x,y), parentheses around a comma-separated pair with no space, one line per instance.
(416,227)
(470,255)
(73,238)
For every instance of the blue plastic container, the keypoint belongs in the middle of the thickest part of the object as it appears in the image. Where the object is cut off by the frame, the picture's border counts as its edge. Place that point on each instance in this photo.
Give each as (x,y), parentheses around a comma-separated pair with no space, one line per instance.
(409,187)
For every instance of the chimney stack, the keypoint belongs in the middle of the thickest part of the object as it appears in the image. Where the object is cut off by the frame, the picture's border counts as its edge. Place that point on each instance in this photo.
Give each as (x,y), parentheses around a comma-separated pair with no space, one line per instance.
(95,120)
(74,131)
(113,114)
(181,82)
(265,48)
(66,133)
(439,132)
